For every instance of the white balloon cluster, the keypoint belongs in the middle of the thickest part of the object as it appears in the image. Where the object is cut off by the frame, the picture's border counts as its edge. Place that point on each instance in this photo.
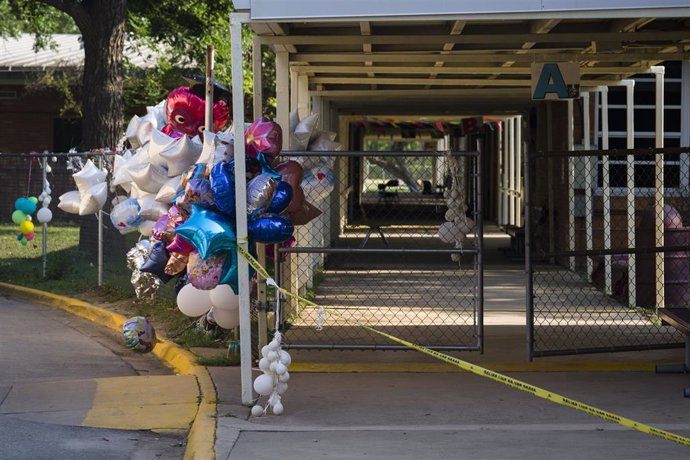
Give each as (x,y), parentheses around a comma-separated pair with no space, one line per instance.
(221,304)
(91,193)
(151,174)
(45,215)
(318,181)
(458,225)
(274,363)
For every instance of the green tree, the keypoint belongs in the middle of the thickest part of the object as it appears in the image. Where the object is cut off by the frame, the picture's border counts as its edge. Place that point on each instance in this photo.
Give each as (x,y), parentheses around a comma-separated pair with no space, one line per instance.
(179,32)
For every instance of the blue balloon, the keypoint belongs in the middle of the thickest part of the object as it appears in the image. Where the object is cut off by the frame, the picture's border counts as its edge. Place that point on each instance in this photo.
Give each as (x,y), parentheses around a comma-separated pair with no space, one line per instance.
(181,281)
(223,187)
(270,228)
(281,198)
(229,273)
(156,262)
(266,167)
(208,231)
(25,205)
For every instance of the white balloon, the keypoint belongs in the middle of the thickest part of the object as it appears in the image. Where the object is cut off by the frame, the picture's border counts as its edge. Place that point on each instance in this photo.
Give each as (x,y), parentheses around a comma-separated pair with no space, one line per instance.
(169,190)
(274,345)
(466,226)
(257,411)
(146,227)
(192,301)
(148,177)
(281,388)
(89,176)
(272,355)
(284,377)
(263,385)
(280,368)
(49,169)
(264,364)
(272,366)
(264,351)
(44,215)
(223,298)
(69,202)
(94,199)
(131,132)
(125,216)
(449,232)
(46,201)
(150,209)
(278,408)
(285,357)
(180,154)
(29,218)
(227,319)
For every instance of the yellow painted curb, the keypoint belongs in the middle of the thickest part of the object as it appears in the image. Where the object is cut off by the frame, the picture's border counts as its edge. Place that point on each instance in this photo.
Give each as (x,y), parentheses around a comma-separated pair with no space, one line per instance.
(560,366)
(202,434)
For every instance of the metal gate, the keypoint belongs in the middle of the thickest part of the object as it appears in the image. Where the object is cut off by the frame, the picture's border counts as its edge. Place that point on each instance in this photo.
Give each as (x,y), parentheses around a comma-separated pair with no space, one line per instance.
(374,257)
(605,246)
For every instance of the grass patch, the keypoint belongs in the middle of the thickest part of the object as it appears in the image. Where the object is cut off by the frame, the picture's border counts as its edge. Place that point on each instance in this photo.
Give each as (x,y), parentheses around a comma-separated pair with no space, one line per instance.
(218,361)
(70,273)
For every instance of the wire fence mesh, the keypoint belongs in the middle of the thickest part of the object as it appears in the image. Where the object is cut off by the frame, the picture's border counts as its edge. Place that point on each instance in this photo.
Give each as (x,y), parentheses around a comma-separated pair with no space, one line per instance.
(376,256)
(609,245)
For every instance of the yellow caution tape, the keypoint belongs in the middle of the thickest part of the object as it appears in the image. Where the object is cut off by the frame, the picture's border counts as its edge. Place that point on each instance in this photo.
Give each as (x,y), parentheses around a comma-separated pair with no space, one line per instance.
(483,372)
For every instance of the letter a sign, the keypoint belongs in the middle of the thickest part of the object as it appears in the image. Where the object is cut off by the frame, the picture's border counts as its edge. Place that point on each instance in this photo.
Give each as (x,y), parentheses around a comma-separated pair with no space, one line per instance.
(555,80)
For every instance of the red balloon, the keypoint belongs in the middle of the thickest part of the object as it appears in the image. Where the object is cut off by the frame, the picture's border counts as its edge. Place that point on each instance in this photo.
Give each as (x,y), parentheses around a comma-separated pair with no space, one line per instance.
(30,236)
(263,136)
(185,113)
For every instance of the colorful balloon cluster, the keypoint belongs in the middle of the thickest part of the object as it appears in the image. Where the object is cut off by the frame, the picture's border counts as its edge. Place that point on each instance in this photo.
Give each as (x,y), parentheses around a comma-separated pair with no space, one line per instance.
(139,334)
(23,208)
(182,194)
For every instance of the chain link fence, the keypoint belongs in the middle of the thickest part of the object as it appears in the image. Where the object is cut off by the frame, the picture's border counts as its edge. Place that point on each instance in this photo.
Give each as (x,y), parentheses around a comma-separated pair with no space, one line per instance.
(375,257)
(608,236)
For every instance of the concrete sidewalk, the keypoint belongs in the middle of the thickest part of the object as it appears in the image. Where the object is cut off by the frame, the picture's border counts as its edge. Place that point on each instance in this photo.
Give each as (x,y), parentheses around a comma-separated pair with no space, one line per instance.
(407,415)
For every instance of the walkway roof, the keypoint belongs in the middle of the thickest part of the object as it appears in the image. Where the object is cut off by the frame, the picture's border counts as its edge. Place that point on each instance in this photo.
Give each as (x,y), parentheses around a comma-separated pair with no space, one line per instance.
(439,53)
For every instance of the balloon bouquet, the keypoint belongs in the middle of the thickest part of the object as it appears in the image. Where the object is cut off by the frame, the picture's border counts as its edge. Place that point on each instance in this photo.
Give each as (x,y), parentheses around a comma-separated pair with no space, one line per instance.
(23,208)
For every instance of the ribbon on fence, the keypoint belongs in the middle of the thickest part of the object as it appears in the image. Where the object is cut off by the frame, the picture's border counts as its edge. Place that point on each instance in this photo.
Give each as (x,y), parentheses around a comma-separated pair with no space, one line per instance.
(478,370)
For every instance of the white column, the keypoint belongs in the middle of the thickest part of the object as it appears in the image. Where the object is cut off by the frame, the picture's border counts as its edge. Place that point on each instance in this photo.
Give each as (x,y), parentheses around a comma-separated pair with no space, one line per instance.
(659,184)
(630,143)
(571,186)
(685,125)
(606,189)
(519,199)
(511,174)
(283,94)
(236,20)
(590,162)
(504,170)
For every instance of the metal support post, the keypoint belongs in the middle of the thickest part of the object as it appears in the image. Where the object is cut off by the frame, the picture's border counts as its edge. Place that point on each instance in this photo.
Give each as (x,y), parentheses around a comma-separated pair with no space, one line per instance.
(571,186)
(100,235)
(236,21)
(658,72)
(630,143)
(44,230)
(589,175)
(606,189)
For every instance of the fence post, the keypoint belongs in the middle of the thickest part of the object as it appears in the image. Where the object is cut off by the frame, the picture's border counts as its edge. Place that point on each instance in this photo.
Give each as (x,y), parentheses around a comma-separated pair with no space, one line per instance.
(100,235)
(658,72)
(44,231)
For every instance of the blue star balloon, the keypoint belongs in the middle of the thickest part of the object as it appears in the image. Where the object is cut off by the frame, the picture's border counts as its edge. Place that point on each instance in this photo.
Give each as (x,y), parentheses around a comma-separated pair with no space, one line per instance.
(266,167)
(208,231)
(223,187)
(229,273)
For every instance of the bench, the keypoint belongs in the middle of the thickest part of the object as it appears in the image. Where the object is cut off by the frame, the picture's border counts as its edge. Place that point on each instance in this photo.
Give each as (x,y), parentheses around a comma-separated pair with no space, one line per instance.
(679,318)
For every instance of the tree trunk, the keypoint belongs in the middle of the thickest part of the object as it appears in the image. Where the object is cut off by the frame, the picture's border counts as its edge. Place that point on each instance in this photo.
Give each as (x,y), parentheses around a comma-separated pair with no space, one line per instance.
(103,32)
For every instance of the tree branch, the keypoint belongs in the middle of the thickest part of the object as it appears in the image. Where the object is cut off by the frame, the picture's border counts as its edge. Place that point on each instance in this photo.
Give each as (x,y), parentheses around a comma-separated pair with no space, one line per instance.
(73,8)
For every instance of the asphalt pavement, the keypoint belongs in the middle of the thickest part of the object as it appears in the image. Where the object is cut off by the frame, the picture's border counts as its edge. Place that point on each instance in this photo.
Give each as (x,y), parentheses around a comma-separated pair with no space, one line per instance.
(56,370)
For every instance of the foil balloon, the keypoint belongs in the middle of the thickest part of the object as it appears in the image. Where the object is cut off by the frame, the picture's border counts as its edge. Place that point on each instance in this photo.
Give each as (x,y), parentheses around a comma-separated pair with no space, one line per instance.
(318,183)
(145,284)
(281,198)
(301,131)
(180,246)
(263,136)
(229,273)
(177,263)
(140,336)
(291,172)
(163,229)
(148,177)
(198,171)
(151,209)
(306,214)
(208,232)
(260,192)
(168,190)
(156,262)
(69,202)
(270,228)
(266,167)
(180,154)
(181,282)
(125,216)
(205,274)
(89,176)
(93,199)
(185,113)
(196,192)
(223,187)
(145,227)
